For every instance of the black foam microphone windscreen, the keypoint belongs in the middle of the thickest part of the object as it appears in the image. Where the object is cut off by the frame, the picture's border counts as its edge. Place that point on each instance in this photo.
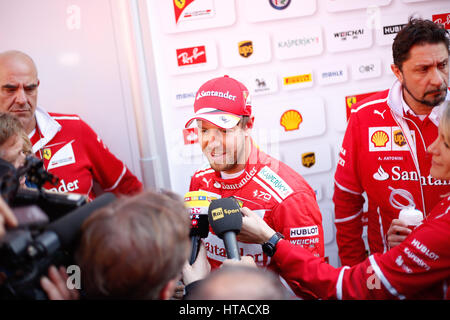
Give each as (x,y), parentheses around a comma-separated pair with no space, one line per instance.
(225,218)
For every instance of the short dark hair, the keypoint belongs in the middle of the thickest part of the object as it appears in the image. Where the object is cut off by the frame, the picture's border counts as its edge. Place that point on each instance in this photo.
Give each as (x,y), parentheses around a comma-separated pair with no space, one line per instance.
(417,32)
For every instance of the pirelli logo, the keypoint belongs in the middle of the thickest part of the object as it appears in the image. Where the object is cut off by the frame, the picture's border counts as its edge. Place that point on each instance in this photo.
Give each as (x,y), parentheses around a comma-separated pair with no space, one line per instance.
(297,79)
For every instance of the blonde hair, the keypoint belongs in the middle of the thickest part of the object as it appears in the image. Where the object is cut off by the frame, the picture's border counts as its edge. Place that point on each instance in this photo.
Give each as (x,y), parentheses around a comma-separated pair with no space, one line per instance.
(27,147)
(444,124)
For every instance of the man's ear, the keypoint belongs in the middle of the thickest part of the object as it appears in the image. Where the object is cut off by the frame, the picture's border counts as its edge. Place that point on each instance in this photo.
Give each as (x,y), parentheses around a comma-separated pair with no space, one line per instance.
(397,72)
(250,122)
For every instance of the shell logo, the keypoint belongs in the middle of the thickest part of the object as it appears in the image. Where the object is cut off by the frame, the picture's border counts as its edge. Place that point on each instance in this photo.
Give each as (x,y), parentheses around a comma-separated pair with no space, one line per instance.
(379,138)
(290,120)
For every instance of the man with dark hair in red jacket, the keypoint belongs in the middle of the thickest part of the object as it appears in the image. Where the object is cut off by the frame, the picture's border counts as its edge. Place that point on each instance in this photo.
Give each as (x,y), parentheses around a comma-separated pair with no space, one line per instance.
(384,149)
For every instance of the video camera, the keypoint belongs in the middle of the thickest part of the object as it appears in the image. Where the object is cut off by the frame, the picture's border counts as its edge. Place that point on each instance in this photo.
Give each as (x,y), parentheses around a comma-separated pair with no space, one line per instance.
(44,237)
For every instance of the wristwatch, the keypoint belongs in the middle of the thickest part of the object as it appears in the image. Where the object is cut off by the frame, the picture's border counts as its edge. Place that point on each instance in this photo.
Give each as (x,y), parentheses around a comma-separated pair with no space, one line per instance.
(269,247)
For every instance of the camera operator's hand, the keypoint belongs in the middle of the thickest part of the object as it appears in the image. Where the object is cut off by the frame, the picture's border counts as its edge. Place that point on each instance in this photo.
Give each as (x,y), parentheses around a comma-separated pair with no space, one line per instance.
(7,217)
(56,285)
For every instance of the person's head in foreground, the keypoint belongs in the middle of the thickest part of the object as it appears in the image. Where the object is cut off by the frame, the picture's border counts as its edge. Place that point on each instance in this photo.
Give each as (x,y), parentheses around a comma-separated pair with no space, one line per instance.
(135,247)
(13,140)
(241,282)
(224,119)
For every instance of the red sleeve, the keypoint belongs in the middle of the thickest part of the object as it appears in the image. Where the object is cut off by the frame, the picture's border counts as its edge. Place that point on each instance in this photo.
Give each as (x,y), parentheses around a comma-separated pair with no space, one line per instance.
(420,265)
(108,171)
(348,199)
(421,261)
(299,219)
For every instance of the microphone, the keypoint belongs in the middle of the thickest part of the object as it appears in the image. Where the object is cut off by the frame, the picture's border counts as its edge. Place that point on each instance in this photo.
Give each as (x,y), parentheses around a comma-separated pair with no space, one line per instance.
(64,231)
(198,203)
(225,218)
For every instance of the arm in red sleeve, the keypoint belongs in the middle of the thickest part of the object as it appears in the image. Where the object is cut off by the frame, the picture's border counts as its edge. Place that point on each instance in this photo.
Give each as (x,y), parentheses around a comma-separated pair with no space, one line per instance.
(299,219)
(418,268)
(108,171)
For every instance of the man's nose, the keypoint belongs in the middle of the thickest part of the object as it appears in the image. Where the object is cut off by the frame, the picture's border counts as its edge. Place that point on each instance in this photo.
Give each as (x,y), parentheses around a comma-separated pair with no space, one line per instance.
(213,138)
(20,97)
(437,77)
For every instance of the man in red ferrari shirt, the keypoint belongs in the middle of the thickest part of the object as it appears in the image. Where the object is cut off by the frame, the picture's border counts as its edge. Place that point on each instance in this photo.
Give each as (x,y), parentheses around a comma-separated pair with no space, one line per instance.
(70,149)
(238,168)
(384,149)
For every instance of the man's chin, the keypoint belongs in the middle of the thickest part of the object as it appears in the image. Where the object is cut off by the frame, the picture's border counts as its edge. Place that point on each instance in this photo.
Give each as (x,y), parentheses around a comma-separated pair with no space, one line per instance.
(435,101)
(219,167)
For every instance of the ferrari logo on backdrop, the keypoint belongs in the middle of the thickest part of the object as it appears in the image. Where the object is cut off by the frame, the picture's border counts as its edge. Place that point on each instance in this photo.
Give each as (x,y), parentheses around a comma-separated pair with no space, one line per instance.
(179,6)
(351,100)
(245,48)
(180,3)
(47,154)
(308,159)
(290,120)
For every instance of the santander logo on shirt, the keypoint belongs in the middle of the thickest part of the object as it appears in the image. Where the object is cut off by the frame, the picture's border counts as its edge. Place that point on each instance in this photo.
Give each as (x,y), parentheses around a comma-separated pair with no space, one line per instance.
(398,174)
(66,187)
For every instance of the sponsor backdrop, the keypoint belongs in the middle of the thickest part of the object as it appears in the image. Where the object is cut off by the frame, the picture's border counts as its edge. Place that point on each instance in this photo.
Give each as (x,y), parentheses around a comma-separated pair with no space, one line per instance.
(305,63)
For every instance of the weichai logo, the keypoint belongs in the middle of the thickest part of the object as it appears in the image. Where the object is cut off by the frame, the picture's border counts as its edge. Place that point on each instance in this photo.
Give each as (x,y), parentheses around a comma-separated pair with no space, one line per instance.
(191,56)
(351,34)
